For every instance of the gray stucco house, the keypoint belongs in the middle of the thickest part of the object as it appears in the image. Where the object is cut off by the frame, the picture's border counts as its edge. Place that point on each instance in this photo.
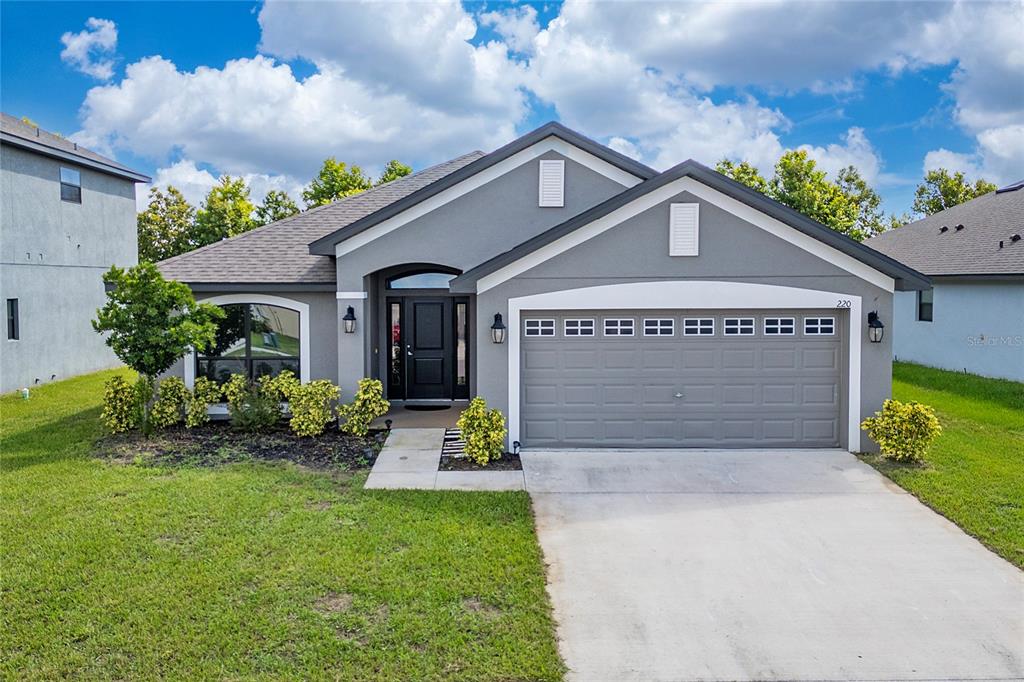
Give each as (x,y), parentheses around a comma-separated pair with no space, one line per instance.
(593,300)
(973,318)
(66,215)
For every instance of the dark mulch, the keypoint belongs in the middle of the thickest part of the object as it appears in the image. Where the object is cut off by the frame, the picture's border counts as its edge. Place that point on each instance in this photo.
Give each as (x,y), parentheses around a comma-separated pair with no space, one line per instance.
(217,443)
(508,462)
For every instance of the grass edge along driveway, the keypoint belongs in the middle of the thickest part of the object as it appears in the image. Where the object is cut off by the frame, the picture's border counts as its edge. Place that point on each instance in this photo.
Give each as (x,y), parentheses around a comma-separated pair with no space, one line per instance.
(251,570)
(975,470)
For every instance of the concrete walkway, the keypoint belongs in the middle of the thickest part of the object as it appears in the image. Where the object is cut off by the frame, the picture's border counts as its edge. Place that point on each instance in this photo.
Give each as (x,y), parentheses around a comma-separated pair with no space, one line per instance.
(764,565)
(409,460)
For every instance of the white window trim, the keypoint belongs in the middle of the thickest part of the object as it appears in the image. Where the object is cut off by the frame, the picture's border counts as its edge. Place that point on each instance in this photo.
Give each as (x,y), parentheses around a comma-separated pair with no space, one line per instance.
(792,321)
(580,327)
(739,326)
(540,327)
(548,144)
(547,166)
(670,320)
(701,191)
(697,330)
(261,299)
(619,329)
(695,295)
(818,325)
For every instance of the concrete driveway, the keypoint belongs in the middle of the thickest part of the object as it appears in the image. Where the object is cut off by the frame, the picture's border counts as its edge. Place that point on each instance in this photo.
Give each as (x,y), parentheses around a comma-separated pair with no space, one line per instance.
(764,565)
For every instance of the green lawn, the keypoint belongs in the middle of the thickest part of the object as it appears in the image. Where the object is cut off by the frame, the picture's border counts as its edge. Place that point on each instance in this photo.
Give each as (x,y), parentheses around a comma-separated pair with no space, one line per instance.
(251,570)
(975,472)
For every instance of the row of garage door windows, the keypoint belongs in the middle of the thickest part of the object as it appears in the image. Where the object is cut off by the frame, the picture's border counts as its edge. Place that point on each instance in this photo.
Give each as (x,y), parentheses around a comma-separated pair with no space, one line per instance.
(692,326)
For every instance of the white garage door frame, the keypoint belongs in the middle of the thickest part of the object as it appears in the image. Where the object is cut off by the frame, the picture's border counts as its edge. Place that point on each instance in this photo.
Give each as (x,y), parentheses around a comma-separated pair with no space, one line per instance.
(688,295)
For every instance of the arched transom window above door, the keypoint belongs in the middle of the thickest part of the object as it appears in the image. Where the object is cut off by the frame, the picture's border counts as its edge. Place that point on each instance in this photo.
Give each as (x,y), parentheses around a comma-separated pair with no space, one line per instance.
(421,280)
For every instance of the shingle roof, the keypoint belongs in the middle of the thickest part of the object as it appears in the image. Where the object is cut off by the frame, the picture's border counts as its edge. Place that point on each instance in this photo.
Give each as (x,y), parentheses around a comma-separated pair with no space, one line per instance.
(278,253)
(971,250)
(17,132)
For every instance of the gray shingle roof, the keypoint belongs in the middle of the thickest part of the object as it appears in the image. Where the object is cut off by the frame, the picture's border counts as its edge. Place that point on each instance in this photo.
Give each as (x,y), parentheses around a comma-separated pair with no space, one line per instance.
(972,250)
(16,131)
(278,253)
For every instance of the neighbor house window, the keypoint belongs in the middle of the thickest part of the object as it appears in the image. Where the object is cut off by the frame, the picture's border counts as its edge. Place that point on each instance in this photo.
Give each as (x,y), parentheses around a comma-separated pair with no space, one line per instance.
(819,326)
(540,327)
(70,185)
(659,326)
(579,327)
(738,326)
(925,305)
(776,326)
(13,324)
(618,327)
(699,326)
(254,340)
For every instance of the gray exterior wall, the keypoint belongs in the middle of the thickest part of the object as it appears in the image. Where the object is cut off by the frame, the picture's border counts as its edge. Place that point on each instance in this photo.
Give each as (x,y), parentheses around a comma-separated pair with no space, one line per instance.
(53,254)
(459,235)
(730,250)
(977,326)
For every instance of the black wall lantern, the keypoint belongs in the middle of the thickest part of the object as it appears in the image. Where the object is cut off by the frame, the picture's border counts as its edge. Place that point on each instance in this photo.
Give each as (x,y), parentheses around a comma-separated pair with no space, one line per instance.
(876,330)
(350,320)
(498,329)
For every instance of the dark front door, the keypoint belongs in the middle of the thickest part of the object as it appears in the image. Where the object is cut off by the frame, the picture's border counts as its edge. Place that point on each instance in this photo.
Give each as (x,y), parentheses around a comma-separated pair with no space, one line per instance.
(424,335)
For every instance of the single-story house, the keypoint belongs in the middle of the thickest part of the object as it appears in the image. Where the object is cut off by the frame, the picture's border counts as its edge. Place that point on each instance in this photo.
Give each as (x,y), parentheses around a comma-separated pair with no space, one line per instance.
(972,320)
(592,299)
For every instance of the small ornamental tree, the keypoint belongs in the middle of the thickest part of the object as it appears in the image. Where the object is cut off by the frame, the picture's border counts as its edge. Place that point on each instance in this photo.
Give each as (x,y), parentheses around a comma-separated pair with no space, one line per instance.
(151,323)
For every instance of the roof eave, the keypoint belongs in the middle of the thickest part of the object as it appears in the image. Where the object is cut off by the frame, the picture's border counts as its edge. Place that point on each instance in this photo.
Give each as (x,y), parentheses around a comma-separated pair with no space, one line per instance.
(71,157)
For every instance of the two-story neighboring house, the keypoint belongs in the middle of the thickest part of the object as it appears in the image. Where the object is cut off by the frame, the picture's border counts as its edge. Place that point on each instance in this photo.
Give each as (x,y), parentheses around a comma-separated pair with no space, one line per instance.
(66,215)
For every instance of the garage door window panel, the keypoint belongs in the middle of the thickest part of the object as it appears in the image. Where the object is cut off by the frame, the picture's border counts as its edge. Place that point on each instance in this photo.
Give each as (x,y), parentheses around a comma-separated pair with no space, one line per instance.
(779,326)
(659,326)
(578,327)
(819,326)
(699,326)
(619,327)
(539,328)
(739,326)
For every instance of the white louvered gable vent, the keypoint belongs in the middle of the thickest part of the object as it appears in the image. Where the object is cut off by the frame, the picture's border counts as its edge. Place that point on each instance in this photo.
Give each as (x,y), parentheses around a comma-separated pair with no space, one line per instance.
(683,229)
(552,183)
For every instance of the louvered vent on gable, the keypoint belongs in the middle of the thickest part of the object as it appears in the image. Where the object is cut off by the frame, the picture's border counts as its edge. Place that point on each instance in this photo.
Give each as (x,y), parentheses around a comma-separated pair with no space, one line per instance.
(552,183)
(684,229)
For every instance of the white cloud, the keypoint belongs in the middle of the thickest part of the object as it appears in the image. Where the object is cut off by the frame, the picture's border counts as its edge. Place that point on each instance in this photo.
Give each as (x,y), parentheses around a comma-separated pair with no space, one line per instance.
(516,25)
(195,183)
(855,150)
(91,50)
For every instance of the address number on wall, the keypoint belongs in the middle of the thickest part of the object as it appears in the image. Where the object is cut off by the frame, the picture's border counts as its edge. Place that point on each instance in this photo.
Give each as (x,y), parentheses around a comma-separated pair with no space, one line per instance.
(843,303)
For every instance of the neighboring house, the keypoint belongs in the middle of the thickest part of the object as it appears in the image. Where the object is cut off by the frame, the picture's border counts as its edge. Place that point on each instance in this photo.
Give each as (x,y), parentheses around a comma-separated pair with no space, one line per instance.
(66,215)
(636,308)
(972,320)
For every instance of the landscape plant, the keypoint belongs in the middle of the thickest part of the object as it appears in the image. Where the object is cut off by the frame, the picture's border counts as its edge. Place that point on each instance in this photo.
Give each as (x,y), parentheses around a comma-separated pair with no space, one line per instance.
(483,431)
(367,405)
(903,431)
(205,392)
(172,400)
(122,406)
(311,406)
(150,323)
(279,387)
(250,408)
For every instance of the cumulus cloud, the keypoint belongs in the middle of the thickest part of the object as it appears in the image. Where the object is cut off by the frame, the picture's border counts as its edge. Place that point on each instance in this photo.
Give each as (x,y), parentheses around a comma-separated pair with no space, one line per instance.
(516,25)
(855,150)
(91,50)
(195,183)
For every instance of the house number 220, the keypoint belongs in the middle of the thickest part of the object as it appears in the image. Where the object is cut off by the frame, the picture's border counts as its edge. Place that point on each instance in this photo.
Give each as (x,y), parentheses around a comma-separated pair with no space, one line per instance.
(843,303)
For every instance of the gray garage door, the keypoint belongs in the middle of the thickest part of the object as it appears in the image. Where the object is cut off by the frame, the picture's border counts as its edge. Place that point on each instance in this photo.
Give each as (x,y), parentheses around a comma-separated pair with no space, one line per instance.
(681,379)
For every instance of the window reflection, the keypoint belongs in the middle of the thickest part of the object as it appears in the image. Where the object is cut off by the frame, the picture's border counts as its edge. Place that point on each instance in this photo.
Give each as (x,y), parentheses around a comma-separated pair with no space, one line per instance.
(254,340)
(460,344)
(422,280)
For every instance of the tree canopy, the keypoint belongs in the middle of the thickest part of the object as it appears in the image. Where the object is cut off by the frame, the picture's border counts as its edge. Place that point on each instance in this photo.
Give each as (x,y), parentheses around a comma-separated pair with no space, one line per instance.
(335,180)
(276,205)
(942,189)
(392,171)
(165,228)
(226,212)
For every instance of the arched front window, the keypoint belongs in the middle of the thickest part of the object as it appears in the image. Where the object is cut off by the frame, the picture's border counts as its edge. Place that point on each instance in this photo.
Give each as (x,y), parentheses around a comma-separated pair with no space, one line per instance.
(253,339)
(422,280)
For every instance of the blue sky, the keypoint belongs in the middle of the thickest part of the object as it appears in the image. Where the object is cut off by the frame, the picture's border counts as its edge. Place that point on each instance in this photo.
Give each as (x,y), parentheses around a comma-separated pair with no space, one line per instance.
(187,91)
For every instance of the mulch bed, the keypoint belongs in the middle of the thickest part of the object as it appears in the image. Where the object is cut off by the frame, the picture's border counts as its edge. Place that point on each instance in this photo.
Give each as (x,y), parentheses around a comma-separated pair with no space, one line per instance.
(218,443)
(508,462)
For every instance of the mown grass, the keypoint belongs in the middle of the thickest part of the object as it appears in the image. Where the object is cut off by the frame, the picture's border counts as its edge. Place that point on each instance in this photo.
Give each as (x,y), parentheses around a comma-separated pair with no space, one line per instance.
(251,570)
(975,470)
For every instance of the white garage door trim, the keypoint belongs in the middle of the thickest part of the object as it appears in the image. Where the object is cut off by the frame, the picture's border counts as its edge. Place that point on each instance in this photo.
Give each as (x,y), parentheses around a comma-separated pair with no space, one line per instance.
(689,295)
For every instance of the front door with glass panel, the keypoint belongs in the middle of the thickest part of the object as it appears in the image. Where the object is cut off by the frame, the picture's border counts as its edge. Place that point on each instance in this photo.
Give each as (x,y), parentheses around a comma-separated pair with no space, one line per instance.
(428,353)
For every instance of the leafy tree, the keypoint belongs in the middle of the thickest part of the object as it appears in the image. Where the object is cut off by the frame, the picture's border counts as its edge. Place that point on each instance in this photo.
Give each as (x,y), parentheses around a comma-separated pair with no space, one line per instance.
(942,189)
(801,186)
(166,227)
(151,323)
(276,205)
(745,173)
(335,180)
(227,211)
(392,171)
(871,219)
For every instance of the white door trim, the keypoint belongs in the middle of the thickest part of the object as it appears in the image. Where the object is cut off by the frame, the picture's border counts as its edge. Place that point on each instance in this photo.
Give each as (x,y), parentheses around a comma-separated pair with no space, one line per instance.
(480,179)
(691,295)
(298,306)
(709,194)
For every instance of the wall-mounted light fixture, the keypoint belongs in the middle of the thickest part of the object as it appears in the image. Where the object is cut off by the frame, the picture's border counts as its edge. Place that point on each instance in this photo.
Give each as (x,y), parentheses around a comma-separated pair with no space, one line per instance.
(876,330)
(498,329)
(350,320)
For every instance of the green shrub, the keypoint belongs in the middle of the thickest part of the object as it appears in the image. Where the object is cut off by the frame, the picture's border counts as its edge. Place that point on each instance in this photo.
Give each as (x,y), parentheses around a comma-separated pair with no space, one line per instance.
(250,409)
(172,398)
(204,393)
(483,430)
(122,406)
(279,387)
(311,407)
(235,389)
(903,431)
(368,404)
